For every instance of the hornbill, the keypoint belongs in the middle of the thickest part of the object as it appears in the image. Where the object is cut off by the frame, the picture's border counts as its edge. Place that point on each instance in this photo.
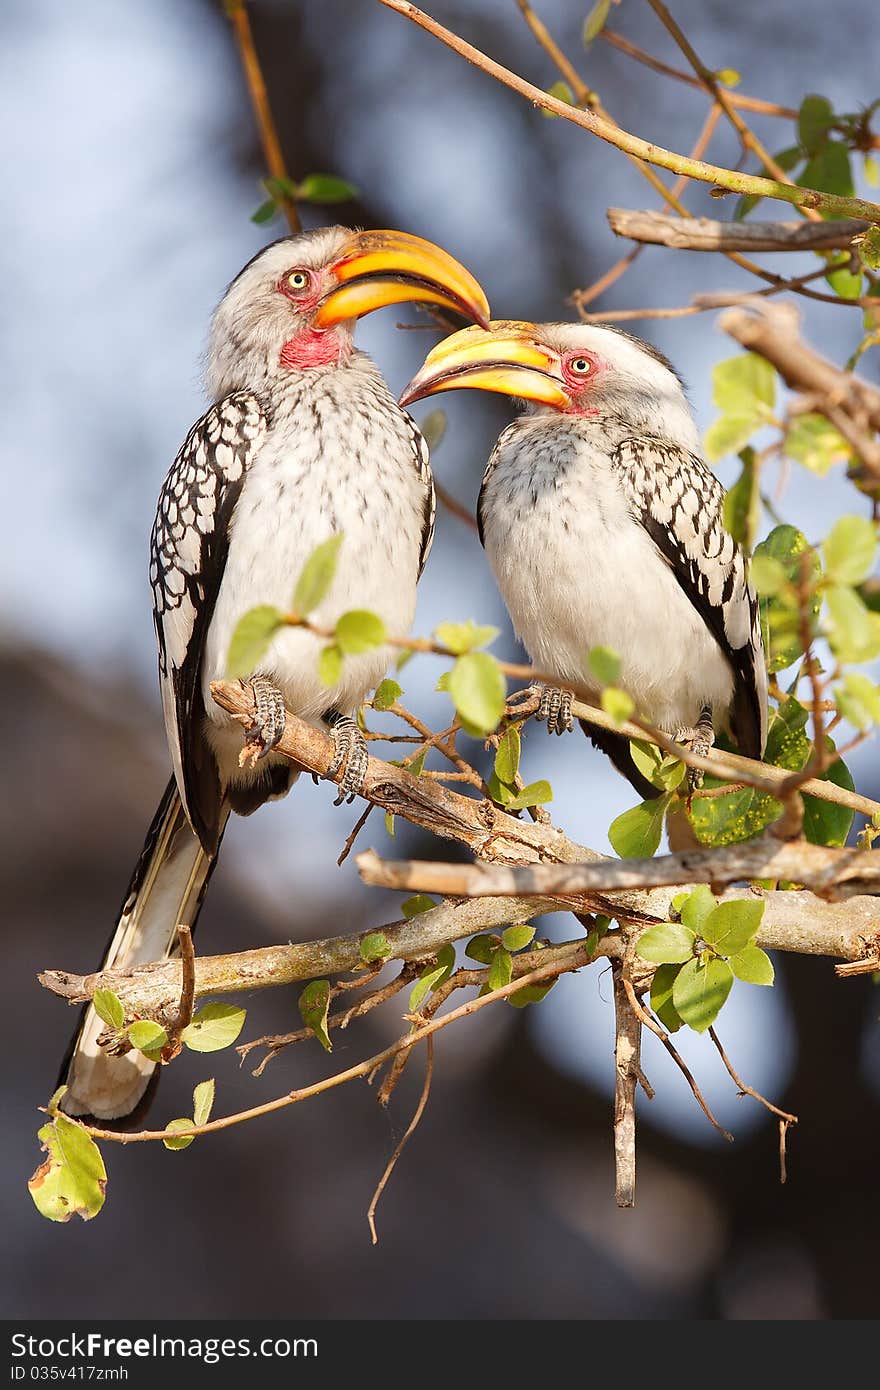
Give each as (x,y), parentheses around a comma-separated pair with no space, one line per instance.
(605,527)
(303,441)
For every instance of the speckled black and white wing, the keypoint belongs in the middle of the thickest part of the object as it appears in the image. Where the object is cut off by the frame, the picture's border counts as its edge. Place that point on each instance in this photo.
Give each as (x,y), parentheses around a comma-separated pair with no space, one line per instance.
(680,503)
(422,460)
(188,550)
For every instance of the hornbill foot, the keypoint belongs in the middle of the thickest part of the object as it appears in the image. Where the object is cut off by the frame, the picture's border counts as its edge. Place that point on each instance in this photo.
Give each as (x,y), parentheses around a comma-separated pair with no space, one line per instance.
(699,740)
(268,726)
(351,750)
(554,706)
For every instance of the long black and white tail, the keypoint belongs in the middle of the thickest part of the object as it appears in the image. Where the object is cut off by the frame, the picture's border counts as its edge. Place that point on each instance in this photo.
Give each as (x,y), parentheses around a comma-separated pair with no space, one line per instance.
(167,888)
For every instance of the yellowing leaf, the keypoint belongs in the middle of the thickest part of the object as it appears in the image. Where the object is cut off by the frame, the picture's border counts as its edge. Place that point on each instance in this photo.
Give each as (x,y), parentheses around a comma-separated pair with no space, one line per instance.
(850,550)
(459,638)
(753,966)
(72,1180)
(359,631)
(478,690)
(174,1127)
(108,1007)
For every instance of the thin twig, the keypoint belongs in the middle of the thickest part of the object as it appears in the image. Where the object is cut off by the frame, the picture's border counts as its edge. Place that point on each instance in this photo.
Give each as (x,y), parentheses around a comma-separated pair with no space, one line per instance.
(717,91)
(272,152)
(747,103)
(730,179)
(786,1120)
(411,1129)
(452,504)
(356,830)
(187,987)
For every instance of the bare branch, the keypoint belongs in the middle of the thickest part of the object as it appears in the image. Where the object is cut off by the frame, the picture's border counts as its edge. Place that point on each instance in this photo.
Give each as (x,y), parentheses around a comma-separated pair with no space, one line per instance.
(272,151)
(627,1067)
(706,234)
(833,873)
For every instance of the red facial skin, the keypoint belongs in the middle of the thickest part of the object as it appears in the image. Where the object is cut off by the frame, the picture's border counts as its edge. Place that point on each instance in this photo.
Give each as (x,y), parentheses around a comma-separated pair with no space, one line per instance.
(312,347)
(580,384)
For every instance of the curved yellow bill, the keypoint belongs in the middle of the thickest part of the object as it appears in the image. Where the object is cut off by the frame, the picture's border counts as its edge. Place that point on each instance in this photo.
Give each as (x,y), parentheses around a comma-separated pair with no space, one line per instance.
(379,268)
(503,357)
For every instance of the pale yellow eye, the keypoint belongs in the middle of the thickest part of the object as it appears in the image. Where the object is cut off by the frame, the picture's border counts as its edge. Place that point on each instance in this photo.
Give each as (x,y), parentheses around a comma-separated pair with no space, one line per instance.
(298,280)
(580,365)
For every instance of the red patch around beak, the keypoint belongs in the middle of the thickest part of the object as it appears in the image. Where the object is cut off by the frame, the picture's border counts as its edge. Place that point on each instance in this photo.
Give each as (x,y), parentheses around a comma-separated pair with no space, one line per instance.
(311,348)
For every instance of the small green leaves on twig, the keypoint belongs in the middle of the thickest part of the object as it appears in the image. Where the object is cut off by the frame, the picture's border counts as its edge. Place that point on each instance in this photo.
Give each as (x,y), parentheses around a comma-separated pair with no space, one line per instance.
(325,189)
(316,576)
(744,390)
(698,957)
(562,92)
(375,946)
(251,638)
(435,973)
(595,21)
(203,1101)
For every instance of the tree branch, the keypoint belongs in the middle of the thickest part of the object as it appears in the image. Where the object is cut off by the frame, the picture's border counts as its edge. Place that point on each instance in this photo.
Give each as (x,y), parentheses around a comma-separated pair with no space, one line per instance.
(272,152)
(849,402)
(705,234)
(627,1067)
(730,179)
(835,874)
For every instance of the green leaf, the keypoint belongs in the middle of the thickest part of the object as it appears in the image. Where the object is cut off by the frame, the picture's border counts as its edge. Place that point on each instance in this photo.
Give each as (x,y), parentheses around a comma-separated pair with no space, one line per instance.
(872,176)
(814,119)
(662,985)
(420,902)
(500,968)
(481,948)
(858,700)
(732,926)
(850,550)
(670,943)
(729,434)
(314,1002)
(459,638)
(829,170)
(325,188)
(845,282)
(214,1027)
(769,576)
(636,833)
(265,212)
(72,1180)
(700,991)
(518,937)
(359,631)
(742,503)
(174,1127)
(434,973)
(562,92)
(203,1102)
(752,965)
(535,794)
(374,946)
(855,630)
(499,791)
(595,21)
(316,576)
(728,77)
(478,690)
(745,384)
(387,692)
(529,994)
(389,824)
(824,822)
(108,1007)
(279,186)
(616,703)
(148,1037)
(697,907)
(433,428)
(507,755)
(330,664)
(783,643)
(815,444)
(250,639)
(604,664)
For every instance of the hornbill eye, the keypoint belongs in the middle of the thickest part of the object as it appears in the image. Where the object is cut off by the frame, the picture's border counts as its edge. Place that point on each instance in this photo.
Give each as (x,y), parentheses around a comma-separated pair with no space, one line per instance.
(298,279)
(581,365)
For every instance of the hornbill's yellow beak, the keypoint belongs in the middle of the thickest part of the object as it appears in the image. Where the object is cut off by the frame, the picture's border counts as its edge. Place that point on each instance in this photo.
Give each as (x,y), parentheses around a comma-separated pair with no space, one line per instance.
(503,357)
(379,268)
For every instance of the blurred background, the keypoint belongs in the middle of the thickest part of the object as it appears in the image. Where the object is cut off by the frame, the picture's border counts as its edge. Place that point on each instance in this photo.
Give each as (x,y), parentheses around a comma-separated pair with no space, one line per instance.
(132,168)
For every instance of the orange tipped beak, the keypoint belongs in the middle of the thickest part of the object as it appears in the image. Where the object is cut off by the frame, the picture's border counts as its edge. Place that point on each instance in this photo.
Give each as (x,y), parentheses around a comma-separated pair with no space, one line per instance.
(379,268)
(504,357)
